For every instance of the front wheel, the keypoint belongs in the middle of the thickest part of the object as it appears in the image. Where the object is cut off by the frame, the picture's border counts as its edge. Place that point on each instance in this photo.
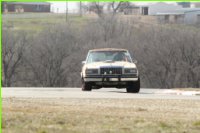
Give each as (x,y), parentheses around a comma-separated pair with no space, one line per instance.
(133,87)
(86,86)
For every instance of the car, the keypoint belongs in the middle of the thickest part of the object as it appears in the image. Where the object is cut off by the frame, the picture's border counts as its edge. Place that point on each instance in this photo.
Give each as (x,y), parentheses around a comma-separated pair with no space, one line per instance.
(110,67)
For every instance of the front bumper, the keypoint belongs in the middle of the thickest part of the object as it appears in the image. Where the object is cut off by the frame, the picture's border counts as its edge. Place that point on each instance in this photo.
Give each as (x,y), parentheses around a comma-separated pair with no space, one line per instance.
(112,78)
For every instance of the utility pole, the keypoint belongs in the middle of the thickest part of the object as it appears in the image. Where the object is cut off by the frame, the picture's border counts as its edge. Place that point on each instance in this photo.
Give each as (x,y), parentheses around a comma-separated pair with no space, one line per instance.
(66,10)
(80,6)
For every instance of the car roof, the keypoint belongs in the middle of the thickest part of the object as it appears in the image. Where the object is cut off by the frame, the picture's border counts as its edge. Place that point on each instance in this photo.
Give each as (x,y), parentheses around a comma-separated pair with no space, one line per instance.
(108,49)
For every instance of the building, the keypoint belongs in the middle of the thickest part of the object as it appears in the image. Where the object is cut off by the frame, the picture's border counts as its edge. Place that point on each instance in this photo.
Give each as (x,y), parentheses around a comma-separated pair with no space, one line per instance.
(169,17)
(153,9)
(192,16)
(183,16)
(195,4)
(133,10)
(26,7)
(184,4)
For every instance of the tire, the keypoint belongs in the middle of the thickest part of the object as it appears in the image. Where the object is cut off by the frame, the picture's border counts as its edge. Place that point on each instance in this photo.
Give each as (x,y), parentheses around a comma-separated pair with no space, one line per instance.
(133,87)
(86,86)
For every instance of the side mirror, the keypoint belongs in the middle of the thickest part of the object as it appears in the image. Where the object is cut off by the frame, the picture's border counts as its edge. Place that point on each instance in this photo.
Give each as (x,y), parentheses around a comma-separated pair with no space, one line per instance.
(135,61)
(83,62)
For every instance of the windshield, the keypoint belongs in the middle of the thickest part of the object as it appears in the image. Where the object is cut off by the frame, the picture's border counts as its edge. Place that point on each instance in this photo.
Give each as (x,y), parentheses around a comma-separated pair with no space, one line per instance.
(97,56)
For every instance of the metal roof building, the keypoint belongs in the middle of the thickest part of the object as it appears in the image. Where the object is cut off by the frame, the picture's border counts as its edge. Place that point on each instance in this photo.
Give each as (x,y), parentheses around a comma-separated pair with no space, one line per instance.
(184,15)
(26,7)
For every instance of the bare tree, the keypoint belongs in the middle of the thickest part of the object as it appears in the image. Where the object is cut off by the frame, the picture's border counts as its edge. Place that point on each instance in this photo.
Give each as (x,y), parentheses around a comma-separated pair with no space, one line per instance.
(98,8)
(115,6)
(48,56)
(12,55)
(112,7)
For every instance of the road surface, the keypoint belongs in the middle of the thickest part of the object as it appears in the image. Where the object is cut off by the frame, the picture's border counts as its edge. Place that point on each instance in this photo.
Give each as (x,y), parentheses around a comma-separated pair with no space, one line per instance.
(109,93)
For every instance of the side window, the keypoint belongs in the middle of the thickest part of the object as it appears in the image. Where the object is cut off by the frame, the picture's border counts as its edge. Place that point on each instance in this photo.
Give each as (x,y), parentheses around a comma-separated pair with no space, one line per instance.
(128,57)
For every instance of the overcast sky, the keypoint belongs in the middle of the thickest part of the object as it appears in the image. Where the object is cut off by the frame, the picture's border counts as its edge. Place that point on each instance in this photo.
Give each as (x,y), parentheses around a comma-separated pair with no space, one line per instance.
(73,6)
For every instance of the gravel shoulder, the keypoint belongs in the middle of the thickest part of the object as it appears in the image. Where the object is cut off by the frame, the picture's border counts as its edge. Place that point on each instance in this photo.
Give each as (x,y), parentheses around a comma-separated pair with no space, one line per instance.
(62,115)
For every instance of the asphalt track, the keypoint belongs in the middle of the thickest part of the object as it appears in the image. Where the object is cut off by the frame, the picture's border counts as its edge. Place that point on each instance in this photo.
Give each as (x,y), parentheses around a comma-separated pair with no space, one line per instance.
(108,93)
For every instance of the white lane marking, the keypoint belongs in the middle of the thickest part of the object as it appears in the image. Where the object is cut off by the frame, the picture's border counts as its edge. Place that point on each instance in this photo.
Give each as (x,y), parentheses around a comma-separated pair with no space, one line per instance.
(179,92)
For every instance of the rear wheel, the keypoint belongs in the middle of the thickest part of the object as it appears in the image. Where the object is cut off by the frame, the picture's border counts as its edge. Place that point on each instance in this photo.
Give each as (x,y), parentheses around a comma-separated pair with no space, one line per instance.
(86,86)
(133,87)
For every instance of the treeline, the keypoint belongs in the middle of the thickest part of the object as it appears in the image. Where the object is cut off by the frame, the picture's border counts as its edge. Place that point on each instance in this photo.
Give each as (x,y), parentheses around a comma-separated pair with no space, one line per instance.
(168,56)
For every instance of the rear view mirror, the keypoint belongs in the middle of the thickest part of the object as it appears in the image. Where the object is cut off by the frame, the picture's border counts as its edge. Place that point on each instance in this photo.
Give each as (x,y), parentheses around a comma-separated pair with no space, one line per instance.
(135,61)
(83,62)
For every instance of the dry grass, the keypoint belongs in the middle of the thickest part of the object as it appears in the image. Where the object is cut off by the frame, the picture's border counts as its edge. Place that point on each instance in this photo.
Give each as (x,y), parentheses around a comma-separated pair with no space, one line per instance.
(100,116)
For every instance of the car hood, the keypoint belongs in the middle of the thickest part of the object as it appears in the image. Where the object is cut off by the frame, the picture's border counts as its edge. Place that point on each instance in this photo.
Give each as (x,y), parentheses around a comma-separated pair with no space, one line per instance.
(110,64)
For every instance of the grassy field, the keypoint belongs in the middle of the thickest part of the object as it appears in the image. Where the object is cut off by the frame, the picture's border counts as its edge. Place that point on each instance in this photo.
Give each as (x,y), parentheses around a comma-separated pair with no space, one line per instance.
(100,116)
(35,22)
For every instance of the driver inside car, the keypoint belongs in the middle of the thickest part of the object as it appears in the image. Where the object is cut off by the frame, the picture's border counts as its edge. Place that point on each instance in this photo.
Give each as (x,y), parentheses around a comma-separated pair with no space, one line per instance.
(120,57)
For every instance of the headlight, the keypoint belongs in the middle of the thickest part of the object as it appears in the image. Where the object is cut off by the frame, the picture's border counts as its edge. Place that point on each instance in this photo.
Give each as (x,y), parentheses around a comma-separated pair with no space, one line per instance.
(91,71)
(130,70)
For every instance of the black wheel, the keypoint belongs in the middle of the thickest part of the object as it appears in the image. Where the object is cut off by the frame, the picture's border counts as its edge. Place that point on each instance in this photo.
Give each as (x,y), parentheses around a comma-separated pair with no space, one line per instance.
(86,86)
(133,87)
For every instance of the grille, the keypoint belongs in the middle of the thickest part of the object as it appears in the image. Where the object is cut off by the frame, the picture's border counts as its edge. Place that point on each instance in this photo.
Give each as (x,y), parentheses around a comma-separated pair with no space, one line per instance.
(111,71)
